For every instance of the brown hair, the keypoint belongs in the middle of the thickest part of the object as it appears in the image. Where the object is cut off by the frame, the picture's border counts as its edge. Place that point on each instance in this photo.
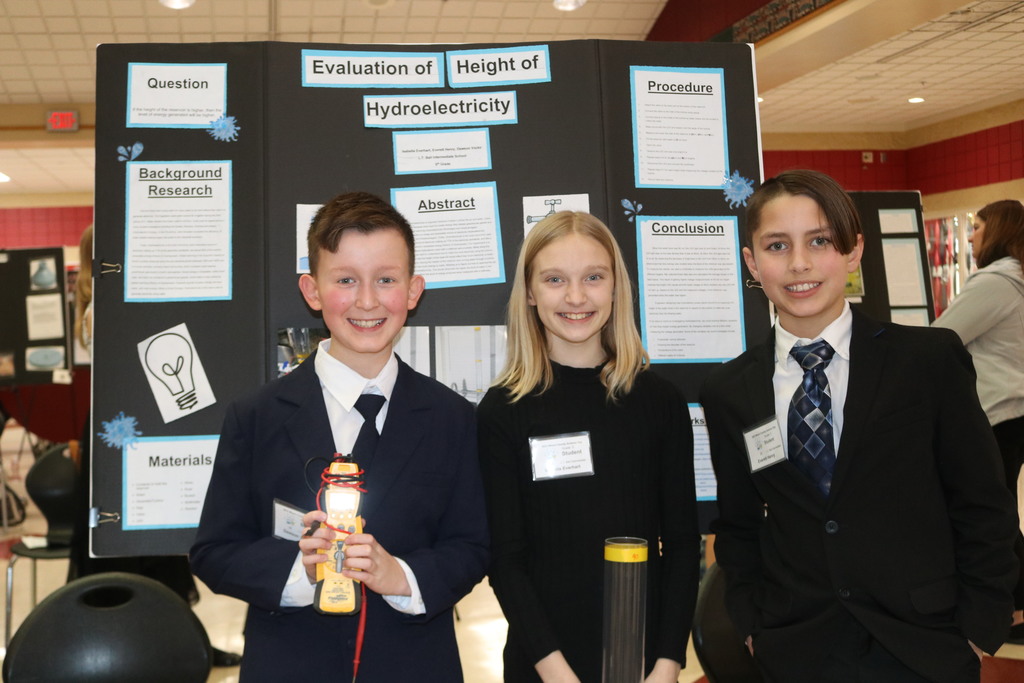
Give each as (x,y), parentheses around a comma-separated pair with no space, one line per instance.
(528,365)
(359,211)
(83,286)
(1004,232)
(841,215)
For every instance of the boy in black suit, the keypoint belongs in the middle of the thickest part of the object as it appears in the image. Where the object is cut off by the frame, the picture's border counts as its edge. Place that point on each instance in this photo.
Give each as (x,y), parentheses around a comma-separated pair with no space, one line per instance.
(425,541)
(864,530)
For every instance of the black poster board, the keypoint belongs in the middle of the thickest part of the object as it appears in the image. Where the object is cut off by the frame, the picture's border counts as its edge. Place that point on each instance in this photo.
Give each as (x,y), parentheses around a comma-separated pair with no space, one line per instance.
(35,333)
(301,145)
(893,223)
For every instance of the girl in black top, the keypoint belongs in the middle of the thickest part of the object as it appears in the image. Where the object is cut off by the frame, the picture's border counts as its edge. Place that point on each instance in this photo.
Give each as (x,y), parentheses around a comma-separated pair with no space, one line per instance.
(579,443)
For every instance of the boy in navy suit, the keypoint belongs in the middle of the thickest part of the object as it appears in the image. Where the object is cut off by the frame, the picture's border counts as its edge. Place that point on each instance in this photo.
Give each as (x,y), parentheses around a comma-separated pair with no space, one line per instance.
(425,541)
(864,530)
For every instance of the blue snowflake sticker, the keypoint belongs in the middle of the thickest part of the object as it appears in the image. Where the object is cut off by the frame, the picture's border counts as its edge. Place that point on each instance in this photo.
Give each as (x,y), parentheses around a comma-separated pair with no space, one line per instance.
(631,209)
(120,432)
(224,129)
(737,189)
(129,153)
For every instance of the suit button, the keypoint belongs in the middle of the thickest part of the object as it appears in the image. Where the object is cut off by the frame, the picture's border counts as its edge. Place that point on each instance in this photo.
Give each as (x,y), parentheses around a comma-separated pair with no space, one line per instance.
(844,593)
(831,527)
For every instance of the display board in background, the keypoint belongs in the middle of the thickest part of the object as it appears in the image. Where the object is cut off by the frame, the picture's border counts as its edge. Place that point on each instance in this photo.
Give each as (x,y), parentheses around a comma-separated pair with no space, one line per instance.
(35,332)
(212,158)
(895,274)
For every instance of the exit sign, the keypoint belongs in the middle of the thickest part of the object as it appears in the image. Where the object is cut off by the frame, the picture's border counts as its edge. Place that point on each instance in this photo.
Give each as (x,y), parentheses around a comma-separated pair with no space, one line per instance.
(62,120)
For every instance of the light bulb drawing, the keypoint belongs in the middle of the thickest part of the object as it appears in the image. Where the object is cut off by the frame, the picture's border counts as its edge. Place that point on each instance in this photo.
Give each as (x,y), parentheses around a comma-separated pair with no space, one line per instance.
(169,359)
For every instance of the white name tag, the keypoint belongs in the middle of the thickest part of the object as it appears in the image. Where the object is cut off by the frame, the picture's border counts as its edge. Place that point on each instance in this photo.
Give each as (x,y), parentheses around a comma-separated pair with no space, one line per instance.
(560,456)
(764,444)
(287,521)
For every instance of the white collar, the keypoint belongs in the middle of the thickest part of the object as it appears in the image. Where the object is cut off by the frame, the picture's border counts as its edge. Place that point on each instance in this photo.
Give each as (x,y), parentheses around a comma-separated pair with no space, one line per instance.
(345,384)
(837,333)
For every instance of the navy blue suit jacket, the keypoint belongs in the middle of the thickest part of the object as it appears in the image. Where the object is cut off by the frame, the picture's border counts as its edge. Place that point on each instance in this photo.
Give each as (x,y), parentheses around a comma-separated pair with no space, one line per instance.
(915,540)
(424,504)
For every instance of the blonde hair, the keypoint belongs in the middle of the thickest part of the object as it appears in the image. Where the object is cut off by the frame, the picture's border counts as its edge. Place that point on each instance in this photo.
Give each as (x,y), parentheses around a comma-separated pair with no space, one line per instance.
(83,286)
(528,367)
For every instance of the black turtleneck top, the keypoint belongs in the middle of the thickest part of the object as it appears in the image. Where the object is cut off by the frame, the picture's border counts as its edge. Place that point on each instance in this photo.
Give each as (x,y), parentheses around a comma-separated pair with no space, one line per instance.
(548,536)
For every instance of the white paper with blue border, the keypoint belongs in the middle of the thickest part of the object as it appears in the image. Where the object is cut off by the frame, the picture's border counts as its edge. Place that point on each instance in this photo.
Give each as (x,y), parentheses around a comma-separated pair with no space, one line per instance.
(458,233)
(703,472)
(499,66)
(904,274)
(440,110)
(176,95)
(177,231)
(679,127)
(536,209)
(304,215)
(368,69)
(165,480)
(441,151)
(468,358)
(691,308)
(897,221)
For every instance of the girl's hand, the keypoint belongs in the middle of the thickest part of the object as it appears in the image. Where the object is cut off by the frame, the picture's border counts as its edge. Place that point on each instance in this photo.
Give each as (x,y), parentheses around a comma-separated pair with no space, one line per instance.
(665,671)
(555,669)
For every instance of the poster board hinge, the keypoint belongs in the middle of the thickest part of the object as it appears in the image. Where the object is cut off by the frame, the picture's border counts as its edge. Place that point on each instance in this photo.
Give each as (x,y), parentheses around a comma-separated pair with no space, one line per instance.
(97,517)
(104,268)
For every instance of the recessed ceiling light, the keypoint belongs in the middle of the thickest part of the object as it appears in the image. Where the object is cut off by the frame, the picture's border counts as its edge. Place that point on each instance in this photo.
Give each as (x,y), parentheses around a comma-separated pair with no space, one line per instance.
(760,99)
(177,4)
(379,4)
(569,5)
(4,178)
(916,100)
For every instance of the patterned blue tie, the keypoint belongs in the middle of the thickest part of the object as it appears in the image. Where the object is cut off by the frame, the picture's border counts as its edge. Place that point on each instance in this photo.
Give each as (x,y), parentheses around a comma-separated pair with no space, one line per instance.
(811,444)
(368,406)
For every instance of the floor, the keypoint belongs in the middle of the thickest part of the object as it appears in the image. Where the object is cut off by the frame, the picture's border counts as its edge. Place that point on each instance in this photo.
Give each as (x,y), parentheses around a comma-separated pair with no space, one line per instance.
(480,630)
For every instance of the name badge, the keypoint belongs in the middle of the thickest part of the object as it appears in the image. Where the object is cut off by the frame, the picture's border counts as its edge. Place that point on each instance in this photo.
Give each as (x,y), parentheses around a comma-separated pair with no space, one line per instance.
(287,521)
(561,456)
(764,444)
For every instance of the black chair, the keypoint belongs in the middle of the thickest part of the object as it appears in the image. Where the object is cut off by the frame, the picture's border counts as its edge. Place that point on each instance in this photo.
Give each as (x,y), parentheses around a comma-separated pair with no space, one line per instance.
(50,484)
(720,648)
(110,628)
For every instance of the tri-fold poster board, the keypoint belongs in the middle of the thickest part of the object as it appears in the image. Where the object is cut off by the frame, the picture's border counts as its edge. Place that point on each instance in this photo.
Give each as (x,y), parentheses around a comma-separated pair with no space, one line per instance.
(212,158)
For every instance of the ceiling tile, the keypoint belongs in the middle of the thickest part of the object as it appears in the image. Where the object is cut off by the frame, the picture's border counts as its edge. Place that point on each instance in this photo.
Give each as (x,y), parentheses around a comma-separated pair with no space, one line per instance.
(950,66)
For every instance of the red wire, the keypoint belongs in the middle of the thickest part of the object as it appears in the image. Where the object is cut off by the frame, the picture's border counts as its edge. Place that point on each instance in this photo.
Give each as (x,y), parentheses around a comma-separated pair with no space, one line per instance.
(359,635)
(353,481)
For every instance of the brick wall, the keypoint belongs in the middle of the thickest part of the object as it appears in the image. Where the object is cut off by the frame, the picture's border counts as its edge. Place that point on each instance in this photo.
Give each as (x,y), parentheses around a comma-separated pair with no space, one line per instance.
(987,156)
(43,227)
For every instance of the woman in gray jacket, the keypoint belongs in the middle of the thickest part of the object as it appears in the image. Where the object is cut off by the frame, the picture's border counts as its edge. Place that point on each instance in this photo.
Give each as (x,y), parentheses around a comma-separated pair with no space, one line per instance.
(989,317)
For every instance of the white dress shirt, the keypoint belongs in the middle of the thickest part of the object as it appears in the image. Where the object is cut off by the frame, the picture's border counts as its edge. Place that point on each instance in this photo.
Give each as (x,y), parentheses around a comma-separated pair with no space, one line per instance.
(788,373)
(342,386)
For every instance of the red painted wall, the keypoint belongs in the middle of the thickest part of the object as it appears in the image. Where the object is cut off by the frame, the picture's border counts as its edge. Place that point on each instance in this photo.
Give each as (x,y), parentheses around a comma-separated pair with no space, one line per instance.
(43,227)
(846,167)
(987,156)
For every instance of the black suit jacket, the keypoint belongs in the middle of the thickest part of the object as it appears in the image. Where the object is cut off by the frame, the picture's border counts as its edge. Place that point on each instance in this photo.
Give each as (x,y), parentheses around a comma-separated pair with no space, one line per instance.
(915,540)
(424,503)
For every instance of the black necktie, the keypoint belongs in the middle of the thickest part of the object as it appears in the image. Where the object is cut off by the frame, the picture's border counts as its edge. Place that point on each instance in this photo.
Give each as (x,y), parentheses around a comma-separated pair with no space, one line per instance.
(811,444)
(368,406)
